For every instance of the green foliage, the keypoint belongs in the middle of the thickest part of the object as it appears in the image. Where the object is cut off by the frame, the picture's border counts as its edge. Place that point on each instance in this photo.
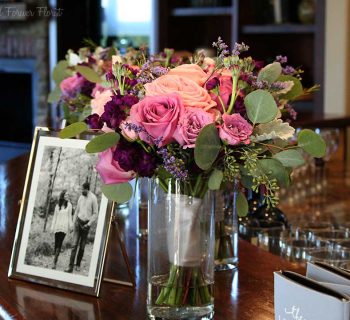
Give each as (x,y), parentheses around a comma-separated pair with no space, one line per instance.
(261,106)
(275,170)
(60,72)
(270,73)
(297,89)
(73,130)
(54,95)
(119,192)
(215,179)
(312,143)
(89,74)
(102,142)
(207,147)
(241,205)
(290,158)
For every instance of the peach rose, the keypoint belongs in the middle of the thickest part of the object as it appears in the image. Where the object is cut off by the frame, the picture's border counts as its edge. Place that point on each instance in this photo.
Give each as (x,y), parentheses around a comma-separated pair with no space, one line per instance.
(191,93)
(190,71)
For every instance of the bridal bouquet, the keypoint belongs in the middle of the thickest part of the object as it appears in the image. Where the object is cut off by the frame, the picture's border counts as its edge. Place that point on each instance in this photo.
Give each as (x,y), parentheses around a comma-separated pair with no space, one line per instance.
(203,123)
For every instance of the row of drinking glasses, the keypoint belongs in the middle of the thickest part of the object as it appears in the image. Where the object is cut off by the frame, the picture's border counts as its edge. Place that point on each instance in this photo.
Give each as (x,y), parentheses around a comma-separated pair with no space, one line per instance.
(304,242)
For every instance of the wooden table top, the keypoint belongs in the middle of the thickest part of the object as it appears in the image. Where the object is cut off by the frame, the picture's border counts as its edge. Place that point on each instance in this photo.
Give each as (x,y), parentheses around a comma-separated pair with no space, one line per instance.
(246,294)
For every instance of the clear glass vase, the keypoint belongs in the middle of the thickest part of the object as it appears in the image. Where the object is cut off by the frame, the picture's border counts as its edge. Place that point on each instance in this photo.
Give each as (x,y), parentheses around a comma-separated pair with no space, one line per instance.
(226,227)
(180,250)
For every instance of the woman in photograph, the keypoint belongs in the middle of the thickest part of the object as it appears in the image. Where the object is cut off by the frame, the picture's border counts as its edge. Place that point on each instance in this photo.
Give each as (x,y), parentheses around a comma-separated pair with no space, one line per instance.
(62,223)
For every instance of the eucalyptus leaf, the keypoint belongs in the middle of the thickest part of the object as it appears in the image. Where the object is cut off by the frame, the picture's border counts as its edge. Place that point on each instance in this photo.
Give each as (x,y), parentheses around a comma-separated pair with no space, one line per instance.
(102,142)
(207,147)
(270,72)
(54,95)
(247,181)
(261,106)
(241,205)
(297,89)
(85,113)
(274,169)
(119,192)
(73,130)
(215,179)
(312,143)
(89,74)
(290,158)
(60,72)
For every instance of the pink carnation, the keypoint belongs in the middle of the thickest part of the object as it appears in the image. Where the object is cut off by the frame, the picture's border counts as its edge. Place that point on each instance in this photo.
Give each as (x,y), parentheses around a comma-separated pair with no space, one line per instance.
(110,170)
(159,116)
(235,129)
(190,124)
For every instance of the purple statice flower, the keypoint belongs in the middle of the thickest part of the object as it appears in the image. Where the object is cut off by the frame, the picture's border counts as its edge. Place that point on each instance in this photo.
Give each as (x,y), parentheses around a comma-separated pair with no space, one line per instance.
(291,111)
(281,59)
(258,84)
(221,47)
(288,70)
(174,166)
(94,121)
(159,71)
(138,129)
(212,83)
(238,48)
(278,85)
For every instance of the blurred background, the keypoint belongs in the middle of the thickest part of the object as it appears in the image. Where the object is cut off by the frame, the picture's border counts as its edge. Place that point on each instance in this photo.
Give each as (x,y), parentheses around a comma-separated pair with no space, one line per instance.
(35,34)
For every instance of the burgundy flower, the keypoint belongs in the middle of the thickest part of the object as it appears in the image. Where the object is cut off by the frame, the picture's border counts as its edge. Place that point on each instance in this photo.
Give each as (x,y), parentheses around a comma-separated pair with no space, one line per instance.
(212,83)
(126,154)
(146,164)
(94,121)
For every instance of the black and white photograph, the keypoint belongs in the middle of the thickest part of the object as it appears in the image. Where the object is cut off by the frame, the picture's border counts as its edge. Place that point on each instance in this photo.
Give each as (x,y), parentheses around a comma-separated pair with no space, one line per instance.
(65,215)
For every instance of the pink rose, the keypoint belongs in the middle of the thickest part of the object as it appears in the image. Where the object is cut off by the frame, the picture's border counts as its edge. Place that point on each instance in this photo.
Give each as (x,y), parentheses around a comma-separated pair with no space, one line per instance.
(71,86)
(190,124)
(235,129)
(109,169)
(159,116)
(101,98)
(191,93)
(191,71)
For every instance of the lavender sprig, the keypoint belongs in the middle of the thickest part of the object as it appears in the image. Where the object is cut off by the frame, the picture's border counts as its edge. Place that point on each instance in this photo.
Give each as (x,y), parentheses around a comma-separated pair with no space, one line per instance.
(173,165)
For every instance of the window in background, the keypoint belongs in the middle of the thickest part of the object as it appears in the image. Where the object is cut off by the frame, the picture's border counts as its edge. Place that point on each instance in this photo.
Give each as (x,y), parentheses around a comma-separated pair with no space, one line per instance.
(128,23)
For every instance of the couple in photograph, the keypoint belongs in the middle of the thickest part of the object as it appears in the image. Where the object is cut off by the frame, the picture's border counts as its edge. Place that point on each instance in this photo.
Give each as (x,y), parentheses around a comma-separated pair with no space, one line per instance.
(64,222)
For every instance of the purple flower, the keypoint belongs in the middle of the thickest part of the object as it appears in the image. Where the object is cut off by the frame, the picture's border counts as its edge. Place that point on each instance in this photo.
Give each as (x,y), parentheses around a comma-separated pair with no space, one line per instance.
(110,76)
(94,121)
(131,156)
(114,112)
(281,59)
(146,164)
(126,154)
(212,83)
(288,70)
(130,100)
(239,106)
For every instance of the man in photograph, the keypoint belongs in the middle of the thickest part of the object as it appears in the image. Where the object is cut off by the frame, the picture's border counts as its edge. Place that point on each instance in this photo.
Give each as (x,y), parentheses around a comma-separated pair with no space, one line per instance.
(85,214)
